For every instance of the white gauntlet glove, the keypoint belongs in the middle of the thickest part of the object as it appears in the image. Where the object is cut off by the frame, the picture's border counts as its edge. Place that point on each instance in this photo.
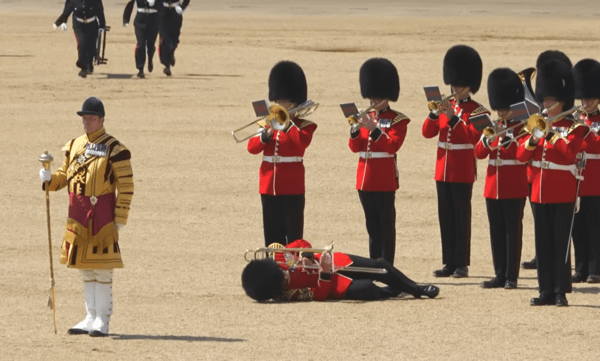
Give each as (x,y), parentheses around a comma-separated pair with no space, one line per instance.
(538,133)
(151,2)
(119,226)
(178,9)
(45,175)
(63,26)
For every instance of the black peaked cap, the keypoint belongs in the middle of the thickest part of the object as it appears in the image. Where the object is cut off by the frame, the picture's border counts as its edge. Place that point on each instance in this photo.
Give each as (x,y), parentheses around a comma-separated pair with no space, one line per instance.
(92,105)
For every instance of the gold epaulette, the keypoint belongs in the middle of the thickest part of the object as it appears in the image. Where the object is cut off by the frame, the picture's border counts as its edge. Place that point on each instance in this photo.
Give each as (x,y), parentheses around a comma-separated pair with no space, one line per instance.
(400,117)
(480,110)
(305,123)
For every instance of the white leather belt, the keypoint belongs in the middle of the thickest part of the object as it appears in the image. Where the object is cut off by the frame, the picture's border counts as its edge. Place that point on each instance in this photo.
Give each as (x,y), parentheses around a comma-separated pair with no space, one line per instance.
(549,165)
(85,21)
(501,162)
(280,159)
(147,11)
(368,155)
(592,156)
(451,146)
(172,5)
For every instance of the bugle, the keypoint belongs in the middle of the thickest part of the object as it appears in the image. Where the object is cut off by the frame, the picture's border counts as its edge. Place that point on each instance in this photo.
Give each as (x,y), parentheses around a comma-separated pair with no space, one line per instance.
(435,106)
(278,118)
(295,262)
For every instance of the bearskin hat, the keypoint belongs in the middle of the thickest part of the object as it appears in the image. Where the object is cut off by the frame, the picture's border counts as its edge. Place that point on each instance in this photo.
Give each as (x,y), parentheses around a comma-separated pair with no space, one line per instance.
(555,79)
(287,82)
(262,280)
(379,79)
(93,106)
(552,54)
(504,88)
(586,75)
(463,67)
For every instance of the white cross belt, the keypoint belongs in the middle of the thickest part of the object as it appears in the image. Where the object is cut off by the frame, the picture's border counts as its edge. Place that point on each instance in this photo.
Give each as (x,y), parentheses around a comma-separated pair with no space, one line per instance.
(501,162)
(450,146)
(367,155)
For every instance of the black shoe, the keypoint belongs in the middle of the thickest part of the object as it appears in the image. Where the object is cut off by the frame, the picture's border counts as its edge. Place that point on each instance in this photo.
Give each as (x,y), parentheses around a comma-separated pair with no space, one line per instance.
(83,73)
(495,282)
(561,300)
(543,300)
(461,272)
(578,278)
(593,279)
(150,66)
(76,331)
(510,285)
(167,71)
(90,69)
(98,334)
(530,264)
(173,61)
(446,271)
(140,74)
(430,291)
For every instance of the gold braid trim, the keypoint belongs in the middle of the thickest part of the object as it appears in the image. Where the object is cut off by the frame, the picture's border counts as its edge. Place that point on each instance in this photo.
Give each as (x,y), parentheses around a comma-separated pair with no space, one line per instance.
(305,123)
(480,110)
(400,117)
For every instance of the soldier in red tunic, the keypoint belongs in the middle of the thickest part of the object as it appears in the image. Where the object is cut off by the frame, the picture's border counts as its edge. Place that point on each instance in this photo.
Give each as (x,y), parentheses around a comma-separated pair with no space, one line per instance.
(267,279)
(553,156)
(377,139)
(282,170)
(455,165)
(586,229)
(506,187)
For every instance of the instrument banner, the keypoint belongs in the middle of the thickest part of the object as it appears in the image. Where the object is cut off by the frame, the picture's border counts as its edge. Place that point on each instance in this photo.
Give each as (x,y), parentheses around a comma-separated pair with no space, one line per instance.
(349,109)
(521,111)
(481,121)
(261,108)
(432,93)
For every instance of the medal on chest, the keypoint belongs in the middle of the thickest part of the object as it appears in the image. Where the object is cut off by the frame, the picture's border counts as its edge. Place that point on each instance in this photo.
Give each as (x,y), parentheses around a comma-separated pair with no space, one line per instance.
(563,131)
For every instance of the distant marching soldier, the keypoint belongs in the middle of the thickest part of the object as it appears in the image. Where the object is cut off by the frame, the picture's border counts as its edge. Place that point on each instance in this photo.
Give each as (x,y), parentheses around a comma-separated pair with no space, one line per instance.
(282,186)
(586,229)
(377,139)
(171,20)
(506,188)
(146,31)
(455,169)
(553,156)
(88,21)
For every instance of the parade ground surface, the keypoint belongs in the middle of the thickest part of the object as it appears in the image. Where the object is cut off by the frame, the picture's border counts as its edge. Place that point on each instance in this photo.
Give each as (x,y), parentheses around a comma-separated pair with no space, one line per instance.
(196,207)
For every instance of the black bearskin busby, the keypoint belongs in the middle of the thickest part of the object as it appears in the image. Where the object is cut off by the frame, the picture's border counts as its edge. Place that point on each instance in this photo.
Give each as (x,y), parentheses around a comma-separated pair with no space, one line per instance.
(463,67)
(555,79)
(262,280)
(504,88)
(379,79)
(586,74)
(287,82)
(552,54)
(93,106)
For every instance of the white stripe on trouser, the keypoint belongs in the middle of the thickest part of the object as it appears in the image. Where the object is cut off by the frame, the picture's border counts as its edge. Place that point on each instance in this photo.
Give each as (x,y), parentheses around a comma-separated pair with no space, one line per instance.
(102,279)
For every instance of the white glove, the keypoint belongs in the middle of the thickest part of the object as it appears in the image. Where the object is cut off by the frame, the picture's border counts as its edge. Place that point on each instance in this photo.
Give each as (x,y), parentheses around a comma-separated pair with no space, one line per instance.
(100,31)
(538,133)
(178,9)
(45,175)
(151,2)
(125,24)
(119,226)
(63,26)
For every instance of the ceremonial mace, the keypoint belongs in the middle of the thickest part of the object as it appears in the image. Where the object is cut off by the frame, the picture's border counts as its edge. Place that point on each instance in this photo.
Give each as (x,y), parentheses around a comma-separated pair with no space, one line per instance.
(46,159)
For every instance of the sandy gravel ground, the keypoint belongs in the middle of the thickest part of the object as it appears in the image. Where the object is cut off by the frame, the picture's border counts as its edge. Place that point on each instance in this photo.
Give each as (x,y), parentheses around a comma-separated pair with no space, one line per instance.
(196,207)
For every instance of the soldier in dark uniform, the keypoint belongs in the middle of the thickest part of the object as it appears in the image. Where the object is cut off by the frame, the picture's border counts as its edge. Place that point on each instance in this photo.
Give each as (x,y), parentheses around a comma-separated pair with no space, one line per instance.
(377,138)
(171,19)
(146,31)
(88,21)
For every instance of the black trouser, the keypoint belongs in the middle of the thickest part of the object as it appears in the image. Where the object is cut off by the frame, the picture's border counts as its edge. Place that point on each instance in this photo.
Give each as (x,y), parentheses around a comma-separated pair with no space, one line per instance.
(454,213)
(283,218)
(380,215)
(170,29)
(586,236)
(552,238)
(363,288)
(146,31)
(86,36)
(506,235)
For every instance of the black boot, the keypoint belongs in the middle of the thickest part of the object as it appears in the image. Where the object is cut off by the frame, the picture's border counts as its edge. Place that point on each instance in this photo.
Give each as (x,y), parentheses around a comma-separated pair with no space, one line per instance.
(83,73)
(495,282)
(430,291)
(140,74)
(167,70)
(530,264)
(446,271)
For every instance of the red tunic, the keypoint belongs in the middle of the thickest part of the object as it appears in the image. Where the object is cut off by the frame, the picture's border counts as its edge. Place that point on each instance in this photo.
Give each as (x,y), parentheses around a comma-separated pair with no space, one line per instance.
(455,154)
(549,184)
(506,176)
(301,278)
(591,145)
(377,168)
(283,171)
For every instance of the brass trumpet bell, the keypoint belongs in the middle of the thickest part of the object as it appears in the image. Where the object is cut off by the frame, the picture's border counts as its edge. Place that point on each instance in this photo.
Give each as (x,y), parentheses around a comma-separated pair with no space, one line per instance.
(435,106)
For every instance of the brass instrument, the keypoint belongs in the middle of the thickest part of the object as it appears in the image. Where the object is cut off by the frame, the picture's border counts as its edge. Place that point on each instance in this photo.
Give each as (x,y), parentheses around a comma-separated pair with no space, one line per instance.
(269,252)
(435,106)
(278,118)
(538,121)
(526,75)
(354,120)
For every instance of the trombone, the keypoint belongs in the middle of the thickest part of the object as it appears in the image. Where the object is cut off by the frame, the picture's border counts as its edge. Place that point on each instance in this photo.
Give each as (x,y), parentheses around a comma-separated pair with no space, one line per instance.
(294,262)
(435,106)
(354,120)
(278,118)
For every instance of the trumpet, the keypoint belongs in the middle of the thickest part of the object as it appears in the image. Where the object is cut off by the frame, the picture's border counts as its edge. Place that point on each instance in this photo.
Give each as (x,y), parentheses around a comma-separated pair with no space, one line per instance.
(295,262)
(278,118)
(434,106)
(354,120)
